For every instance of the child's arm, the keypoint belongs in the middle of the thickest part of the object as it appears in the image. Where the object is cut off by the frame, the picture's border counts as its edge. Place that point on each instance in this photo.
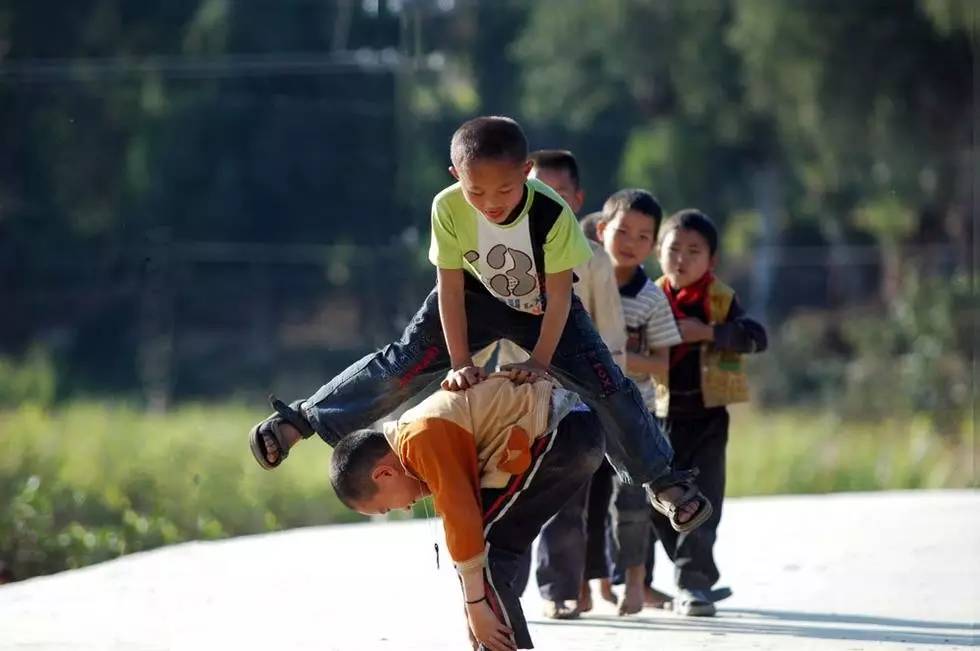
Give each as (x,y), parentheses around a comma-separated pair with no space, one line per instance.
(657,363)
(606,308)
(738,334)
(564,249)
(559,296)
(444,456)
(661,334)
(452,312)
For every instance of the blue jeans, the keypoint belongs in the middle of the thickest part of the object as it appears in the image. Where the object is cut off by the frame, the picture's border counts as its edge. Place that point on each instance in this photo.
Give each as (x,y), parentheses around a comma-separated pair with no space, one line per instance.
(378,383)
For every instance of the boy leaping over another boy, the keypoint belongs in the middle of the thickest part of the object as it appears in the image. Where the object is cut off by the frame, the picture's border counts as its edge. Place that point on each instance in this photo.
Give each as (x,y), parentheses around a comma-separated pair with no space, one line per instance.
(504,247)
(499,460)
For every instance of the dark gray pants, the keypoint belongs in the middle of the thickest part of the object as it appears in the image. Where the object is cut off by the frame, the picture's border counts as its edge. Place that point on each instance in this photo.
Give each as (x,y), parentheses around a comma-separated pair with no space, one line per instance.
(562,462)
(572,546)
(698,443)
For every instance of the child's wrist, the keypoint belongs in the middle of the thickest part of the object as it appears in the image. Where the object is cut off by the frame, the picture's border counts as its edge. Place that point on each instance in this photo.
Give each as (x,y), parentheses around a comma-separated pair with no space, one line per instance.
(540,360)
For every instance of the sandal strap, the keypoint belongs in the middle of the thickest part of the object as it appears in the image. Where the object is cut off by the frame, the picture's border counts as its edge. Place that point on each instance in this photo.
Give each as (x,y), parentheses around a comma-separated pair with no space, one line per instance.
(291,415)
(676,478)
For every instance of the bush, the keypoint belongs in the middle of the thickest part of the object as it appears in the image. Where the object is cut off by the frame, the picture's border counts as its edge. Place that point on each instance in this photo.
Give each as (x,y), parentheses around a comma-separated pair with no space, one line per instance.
(89,482)
(910,360)
(31,380)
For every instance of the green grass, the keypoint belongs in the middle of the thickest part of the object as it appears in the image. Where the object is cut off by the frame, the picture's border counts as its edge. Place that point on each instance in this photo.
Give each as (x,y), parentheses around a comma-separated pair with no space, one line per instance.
(88,481)
(815,452)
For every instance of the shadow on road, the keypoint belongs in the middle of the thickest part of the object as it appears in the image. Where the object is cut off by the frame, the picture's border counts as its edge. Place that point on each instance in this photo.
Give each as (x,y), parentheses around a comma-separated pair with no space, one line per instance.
(747,621)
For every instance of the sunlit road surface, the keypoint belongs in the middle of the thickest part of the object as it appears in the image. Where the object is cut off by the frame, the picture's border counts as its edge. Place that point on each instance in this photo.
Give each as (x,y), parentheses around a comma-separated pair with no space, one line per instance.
(897,570)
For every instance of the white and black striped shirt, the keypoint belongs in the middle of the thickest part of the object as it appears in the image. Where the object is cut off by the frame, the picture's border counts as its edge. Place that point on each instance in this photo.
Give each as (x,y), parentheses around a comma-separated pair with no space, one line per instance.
(649,324)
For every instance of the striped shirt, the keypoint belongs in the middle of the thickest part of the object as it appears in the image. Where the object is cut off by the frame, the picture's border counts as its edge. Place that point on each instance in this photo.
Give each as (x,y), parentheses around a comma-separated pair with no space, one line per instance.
(649,324)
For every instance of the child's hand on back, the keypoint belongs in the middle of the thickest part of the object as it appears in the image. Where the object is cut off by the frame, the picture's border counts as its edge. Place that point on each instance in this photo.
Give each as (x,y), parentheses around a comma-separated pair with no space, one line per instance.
(693,330)
(525,372)
(463,378)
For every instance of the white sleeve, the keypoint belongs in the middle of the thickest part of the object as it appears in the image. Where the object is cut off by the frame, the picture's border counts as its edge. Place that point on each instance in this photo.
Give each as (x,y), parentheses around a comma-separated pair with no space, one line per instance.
(662,329)
(605,307)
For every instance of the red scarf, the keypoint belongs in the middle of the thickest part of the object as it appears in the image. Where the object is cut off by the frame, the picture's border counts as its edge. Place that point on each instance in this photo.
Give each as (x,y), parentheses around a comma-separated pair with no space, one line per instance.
(681,302)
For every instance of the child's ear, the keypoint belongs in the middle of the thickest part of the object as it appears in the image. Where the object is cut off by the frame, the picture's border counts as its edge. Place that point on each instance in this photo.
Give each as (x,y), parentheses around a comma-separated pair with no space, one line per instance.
(452,170)
(382,471)
(528,166)
(600,228)
(712,262)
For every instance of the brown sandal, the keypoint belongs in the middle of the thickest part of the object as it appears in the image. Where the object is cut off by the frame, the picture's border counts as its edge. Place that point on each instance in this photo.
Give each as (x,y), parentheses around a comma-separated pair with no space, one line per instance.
(284,413)
(684,479)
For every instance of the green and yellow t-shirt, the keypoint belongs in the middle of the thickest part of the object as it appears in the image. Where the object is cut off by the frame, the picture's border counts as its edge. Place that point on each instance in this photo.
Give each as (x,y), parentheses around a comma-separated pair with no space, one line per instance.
(509,260)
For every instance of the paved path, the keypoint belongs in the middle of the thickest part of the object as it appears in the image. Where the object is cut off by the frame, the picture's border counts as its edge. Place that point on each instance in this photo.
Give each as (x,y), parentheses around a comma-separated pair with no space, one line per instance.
(852,571)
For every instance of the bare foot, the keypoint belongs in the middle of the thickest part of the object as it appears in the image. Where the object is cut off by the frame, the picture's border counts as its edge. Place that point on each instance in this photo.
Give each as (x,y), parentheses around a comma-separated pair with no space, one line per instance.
(632,601)
(685,512)
(606,591)
(653,598)
(290,433)
(585,598)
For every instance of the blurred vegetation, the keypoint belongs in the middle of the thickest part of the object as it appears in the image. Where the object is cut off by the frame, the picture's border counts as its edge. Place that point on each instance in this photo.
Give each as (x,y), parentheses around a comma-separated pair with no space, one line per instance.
(203,200)
(783,452)
(214,171)
(87,482)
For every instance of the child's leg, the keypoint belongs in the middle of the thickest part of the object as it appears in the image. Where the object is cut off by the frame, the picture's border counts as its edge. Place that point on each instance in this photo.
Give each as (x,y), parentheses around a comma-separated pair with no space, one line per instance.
(561,463)
(703,442)
(634,445)
(582,362)
(597,520)
(378,383)
(561,551)
(600,496)
(631,535)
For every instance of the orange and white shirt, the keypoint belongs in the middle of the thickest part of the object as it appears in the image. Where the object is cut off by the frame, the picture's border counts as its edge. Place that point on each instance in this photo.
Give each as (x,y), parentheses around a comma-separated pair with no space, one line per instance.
(458,442)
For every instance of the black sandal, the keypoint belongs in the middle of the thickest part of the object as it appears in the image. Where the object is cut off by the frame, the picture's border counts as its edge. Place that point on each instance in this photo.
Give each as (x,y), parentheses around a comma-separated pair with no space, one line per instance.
(684,479)
(284,413)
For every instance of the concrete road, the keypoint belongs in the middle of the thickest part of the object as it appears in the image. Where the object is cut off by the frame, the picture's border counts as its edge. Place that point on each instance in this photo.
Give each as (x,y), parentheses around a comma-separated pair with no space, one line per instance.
(896,570)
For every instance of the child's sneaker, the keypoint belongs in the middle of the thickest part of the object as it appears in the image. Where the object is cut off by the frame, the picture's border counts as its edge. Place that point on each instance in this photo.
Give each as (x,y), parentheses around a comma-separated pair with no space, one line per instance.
(267,439)
(695,603)
(561,610)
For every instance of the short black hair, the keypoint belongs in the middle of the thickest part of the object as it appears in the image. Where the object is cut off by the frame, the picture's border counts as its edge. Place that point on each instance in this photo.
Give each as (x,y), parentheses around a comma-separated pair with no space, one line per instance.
(590,225)
(352,462)
(560,160)
(633,199)
(488,138)
(691,219)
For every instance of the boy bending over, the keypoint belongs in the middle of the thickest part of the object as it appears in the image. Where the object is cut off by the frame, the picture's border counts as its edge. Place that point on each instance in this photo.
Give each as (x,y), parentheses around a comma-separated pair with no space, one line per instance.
(499,460)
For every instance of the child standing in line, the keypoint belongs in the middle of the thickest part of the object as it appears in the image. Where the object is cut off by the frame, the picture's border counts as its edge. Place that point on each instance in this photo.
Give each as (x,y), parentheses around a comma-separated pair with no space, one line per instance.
(705,375)
(628,231)
(562,548)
